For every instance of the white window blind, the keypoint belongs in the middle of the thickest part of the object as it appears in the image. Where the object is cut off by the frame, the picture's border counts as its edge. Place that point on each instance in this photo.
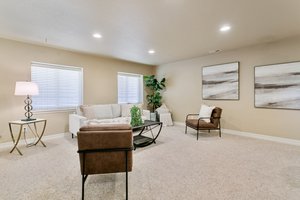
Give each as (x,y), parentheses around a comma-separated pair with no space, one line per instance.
(60,87)
(130,88)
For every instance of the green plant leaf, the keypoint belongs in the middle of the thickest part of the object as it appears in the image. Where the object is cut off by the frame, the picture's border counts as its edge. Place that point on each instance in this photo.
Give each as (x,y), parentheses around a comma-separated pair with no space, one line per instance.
(154,99)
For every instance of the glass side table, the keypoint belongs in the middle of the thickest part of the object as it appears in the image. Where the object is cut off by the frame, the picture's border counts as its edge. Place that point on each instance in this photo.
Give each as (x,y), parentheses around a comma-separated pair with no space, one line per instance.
(32,127)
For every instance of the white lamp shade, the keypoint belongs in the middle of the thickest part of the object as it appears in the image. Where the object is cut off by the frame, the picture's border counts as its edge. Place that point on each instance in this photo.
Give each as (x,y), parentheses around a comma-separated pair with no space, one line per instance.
(26,88)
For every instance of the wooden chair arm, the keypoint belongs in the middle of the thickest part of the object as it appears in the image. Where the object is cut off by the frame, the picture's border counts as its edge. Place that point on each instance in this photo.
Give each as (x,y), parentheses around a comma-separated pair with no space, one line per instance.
(205,117)
(200,118)
(188,115)
(208,118)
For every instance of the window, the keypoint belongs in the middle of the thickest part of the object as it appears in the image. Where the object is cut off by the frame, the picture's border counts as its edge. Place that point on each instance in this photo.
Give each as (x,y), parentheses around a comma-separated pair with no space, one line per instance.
(130,88)
(60,87)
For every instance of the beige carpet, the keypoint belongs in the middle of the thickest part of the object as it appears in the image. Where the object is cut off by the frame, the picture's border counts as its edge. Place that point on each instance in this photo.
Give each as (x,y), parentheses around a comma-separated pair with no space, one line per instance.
(178,167)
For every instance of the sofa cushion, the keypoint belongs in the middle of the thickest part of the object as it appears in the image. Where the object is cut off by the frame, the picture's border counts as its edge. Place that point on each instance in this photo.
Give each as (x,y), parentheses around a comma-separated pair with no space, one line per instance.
(116,110)
(118,120)
(98,111)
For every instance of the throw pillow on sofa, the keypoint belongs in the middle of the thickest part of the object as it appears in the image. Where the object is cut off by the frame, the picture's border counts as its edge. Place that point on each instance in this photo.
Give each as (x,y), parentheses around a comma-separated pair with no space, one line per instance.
(116,110)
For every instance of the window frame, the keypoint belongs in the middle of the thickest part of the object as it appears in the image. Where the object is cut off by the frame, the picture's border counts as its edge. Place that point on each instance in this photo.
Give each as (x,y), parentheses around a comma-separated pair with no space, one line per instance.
(141,87)
(59,66)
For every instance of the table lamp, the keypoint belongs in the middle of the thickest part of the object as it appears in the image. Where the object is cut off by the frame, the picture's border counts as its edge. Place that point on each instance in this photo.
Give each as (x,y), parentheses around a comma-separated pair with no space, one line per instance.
(27,89)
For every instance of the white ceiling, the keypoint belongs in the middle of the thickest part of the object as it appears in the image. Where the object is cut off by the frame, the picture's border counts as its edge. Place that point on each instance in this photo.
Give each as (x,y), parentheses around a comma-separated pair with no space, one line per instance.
(176,29)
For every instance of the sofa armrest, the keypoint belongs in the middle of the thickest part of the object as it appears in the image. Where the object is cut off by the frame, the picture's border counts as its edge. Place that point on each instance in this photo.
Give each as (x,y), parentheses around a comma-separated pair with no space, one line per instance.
(146,113)
(75,122)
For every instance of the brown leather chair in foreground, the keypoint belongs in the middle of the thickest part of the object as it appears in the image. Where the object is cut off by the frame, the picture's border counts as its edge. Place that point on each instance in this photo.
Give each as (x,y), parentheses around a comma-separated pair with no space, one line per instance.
(196,123)
(105,149)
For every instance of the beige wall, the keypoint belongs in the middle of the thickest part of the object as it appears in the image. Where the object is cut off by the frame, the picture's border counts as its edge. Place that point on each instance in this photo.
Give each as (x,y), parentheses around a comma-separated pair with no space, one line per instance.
(100,80)
(184,89)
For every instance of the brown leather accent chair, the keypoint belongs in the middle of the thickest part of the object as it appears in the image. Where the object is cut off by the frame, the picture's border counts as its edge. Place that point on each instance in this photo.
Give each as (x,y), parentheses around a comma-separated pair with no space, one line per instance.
(196,123)
(105,149)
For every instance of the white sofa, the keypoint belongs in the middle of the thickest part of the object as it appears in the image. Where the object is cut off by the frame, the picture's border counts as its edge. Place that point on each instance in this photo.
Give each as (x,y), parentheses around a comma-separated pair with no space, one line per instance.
(102,114)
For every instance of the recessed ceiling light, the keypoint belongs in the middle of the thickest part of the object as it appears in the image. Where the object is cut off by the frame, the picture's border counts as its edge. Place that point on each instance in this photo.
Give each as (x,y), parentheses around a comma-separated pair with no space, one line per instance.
(151,51)
(97,35)
(225,28)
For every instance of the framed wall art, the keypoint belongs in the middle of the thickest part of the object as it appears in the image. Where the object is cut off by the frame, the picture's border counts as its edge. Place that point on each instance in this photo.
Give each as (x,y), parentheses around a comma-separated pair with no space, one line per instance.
(221,82)
(277,86)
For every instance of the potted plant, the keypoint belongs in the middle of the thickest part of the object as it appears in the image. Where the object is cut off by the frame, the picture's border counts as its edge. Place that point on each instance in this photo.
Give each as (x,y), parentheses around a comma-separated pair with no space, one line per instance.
(136,116)
(154,86)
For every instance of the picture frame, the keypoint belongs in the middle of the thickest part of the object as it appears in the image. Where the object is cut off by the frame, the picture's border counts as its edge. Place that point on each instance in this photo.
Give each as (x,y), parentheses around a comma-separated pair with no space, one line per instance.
(277,86)
(221,81)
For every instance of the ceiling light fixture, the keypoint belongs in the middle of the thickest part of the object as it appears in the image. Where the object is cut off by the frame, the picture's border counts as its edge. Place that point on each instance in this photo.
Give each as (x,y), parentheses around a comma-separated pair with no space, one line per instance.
(97,35)
(151,51)
(225,28)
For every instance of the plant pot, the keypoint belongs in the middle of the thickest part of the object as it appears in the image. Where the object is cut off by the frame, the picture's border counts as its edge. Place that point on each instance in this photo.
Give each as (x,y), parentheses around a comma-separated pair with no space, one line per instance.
(153,116)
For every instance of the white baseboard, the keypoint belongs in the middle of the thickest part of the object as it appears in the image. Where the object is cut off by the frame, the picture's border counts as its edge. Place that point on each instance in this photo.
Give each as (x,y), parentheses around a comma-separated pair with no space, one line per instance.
(179,124)
(255,135)
(29,140)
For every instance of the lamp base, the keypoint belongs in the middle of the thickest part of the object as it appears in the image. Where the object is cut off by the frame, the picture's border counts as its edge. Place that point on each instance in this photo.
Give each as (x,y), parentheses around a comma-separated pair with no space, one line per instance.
(28,108)
(28,119)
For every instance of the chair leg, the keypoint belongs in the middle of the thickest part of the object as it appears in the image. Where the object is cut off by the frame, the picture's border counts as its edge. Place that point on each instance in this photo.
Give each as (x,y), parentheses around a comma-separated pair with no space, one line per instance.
(82,189)
(126,175)
(84,177)
(220,129)
(185,128)
(197,134)
(83,180)
(126,185)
